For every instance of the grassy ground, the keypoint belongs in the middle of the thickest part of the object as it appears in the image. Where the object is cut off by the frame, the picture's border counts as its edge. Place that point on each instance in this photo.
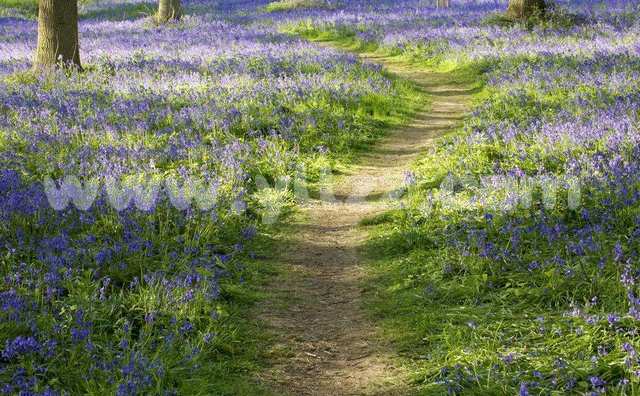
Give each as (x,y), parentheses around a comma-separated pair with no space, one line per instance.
(242,351)
(29,9)
(347,39)
(286,5)
(26,8)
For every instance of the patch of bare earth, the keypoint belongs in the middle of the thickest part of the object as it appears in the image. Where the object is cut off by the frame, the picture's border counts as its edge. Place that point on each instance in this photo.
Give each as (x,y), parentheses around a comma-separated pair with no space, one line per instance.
(327,345)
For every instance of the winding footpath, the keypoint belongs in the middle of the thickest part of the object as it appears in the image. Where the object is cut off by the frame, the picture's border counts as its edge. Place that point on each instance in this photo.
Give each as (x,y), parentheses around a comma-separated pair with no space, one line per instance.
(326,343)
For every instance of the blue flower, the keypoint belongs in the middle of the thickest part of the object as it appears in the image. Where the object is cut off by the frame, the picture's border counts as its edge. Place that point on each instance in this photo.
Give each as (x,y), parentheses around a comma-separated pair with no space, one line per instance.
(187,327)
(627,347)
(79,334)
(208,337)
(20,346)
(618,253)
(597,382)
(524,391)
(9,180)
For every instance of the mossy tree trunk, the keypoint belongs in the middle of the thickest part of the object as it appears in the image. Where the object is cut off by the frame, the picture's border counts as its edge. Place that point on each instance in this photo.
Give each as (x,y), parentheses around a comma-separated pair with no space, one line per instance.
(442,3)
(526,8)
(58,42)
(169,10)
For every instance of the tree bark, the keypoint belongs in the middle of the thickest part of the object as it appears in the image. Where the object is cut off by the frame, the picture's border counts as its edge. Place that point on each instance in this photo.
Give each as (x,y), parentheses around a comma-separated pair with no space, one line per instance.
(442,3)
(58,42)
(526,8)
(169,10)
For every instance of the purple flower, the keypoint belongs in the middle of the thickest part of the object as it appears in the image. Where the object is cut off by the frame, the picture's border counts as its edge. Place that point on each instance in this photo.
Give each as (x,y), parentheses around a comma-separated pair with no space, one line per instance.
(618,253)
(127,389)
(524,391)
(188,295)
(186,327)
(20,346)
(410,178)
(627,347)
(79,334)
(597,382)
(102,256)
(9,181)
(149,318)
(12,304)
(508,358)
(249,232)
(103,290)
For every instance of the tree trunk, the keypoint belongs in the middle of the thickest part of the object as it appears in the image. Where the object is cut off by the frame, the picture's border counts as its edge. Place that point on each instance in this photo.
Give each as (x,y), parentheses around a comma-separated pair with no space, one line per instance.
(525,8)
(57,34)
(169,10)
(443,3)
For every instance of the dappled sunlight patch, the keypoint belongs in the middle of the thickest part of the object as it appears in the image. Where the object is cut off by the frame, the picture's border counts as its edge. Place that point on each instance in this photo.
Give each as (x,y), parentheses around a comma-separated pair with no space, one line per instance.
(286,5)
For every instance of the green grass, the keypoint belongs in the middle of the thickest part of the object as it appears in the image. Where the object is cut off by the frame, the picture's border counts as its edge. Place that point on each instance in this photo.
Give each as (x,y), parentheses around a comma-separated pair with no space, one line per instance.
(347,39)
(241,355)
(25,8)
(457,319)
(376,114)
(122,12)
(29,9)
(288,5)
(430,317)
(243,352)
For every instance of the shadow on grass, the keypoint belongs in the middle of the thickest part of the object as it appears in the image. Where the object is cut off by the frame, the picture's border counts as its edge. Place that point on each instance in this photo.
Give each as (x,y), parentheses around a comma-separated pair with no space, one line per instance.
(119,12)
(244,354)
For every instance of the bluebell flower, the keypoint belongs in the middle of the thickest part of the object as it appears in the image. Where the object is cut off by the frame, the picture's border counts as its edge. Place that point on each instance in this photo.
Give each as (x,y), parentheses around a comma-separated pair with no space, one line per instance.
(20,346)
(79,334)
(186,327)
(597,382)
(523,391)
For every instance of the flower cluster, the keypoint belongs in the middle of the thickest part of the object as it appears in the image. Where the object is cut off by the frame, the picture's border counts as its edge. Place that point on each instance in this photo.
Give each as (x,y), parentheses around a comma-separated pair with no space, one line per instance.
(130,291)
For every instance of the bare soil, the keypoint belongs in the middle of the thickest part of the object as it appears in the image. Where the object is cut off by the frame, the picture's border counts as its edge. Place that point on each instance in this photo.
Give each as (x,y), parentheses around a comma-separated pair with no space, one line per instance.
(326,342)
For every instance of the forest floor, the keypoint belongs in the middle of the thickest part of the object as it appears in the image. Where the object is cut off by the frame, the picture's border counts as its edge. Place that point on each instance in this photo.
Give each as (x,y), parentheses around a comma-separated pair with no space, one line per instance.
(326,342)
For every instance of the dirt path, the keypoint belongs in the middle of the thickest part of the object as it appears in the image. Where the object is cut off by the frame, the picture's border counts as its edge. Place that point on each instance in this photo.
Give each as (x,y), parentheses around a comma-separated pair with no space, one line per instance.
(327,345)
